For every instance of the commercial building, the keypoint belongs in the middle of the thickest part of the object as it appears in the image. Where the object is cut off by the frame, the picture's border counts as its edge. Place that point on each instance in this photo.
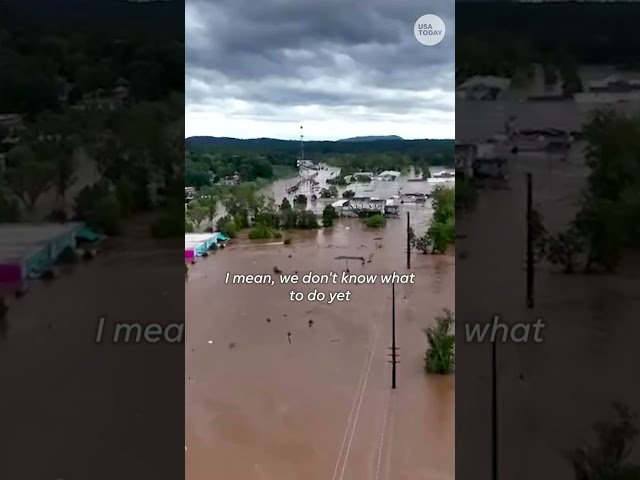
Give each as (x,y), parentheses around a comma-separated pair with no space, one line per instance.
(27,250)
(195,244)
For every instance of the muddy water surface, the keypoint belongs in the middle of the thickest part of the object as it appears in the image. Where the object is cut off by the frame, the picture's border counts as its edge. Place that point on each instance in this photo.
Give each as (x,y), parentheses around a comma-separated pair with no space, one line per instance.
(316,404)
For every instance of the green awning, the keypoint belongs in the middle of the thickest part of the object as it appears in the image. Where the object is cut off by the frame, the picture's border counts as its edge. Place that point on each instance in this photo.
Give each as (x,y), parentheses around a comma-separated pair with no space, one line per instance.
(88,235)
(222,238)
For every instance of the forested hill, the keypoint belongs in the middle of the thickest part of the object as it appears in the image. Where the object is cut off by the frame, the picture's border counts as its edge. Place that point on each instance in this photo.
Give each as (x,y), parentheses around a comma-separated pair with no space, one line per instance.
(372,138)
(260,145)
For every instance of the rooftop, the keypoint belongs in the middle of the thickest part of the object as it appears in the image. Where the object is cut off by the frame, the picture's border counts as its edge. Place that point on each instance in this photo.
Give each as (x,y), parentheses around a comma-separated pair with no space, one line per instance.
(18,241)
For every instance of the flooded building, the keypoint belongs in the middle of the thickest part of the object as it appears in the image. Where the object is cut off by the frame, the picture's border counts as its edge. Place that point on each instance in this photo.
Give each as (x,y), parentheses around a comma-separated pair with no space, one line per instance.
(27,251)
(388,176)
(357,206)
(196,244)
(482,88)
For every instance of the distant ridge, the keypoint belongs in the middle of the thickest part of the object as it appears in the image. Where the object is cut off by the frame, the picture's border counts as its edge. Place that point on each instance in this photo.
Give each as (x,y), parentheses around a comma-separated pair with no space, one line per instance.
(371,138)
(364,145)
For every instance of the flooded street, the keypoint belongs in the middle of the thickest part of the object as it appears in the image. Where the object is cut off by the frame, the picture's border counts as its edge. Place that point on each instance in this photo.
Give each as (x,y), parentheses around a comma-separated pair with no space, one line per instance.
(551,393)
(317,404)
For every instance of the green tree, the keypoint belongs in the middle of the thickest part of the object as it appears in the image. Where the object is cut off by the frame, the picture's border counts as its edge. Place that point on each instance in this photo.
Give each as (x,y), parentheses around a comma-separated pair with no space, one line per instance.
(441,351)
(329,214)
(348,194)
(27,176)
(375,221)
(196,213)
(609,457)
(285,205)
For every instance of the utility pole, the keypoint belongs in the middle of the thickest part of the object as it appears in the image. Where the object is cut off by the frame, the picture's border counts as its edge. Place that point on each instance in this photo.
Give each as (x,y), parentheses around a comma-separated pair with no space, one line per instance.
(409,240)
(494,410)
(393,354)
(530,250)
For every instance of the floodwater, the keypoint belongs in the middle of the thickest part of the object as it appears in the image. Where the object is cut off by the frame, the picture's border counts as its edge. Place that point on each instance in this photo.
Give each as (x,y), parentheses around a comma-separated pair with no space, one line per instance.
(317,404)
(377,189)
(549,394)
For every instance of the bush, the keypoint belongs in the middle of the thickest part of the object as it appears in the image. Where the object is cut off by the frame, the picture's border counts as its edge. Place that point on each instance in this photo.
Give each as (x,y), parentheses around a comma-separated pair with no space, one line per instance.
(307,220)
(287,241)
(260,232)
(348,194)
(227,226)
(300,199)
(441,352)
(610,456)
(375,221)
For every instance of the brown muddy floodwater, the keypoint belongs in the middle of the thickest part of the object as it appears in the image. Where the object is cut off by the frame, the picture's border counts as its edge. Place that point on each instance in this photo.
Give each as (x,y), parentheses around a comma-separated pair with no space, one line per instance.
(318,407)
(551,393)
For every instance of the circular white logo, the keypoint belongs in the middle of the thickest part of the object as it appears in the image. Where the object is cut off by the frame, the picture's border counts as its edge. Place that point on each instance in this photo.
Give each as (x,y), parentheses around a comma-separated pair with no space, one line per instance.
(429,30)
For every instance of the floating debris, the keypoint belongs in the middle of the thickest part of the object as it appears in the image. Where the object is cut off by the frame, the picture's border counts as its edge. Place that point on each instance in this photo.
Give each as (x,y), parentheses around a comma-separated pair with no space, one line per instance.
(232,345)
(336,340)
(268,320)
(210,342)
(310,323)
(276,270)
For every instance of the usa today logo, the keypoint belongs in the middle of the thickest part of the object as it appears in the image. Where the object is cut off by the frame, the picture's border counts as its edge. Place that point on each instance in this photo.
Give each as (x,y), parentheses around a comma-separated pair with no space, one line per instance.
(429,30)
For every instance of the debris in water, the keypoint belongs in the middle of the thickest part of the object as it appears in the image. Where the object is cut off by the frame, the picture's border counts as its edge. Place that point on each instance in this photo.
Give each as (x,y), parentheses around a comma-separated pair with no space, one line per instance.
(232,345)
(284,314)
(336,340)
(210,341)
(289,256)
(347,228)
(276,270)
(310,323)
(289,336)
(268,320)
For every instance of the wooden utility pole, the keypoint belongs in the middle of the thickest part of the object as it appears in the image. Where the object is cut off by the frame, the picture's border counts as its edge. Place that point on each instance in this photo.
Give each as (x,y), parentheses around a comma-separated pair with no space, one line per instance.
(394,350)
(530,249)
(408,240)
(494,410)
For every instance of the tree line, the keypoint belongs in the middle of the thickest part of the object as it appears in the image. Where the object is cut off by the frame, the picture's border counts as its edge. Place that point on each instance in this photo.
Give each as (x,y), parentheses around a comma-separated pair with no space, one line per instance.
(51,81)
(508,41)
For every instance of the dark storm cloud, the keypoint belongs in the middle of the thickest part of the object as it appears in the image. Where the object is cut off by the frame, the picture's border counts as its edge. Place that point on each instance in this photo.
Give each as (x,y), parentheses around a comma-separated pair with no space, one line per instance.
(331,53)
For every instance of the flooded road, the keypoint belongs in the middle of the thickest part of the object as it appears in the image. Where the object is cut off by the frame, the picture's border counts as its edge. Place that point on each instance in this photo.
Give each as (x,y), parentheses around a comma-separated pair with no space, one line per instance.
(420,213)
(551,393)
(317,404)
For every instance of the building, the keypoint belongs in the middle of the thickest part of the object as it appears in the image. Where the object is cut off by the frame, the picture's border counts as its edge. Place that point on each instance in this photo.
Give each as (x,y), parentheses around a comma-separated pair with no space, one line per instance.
(612,89)
(482,88)
(196,244)
(356,206)
(27,250)
(388,176)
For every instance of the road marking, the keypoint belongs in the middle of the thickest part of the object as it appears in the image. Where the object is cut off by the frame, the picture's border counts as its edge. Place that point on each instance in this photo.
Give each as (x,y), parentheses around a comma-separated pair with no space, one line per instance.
(362,384)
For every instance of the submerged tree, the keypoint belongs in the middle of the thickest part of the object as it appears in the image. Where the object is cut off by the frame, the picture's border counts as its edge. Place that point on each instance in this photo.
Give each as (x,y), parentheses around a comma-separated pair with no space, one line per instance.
(608,458)
(441,352)
(565,248)
(329,214)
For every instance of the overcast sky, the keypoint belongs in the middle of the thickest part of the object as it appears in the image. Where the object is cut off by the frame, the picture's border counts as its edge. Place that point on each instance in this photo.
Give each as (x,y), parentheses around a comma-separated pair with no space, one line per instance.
(340,68)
